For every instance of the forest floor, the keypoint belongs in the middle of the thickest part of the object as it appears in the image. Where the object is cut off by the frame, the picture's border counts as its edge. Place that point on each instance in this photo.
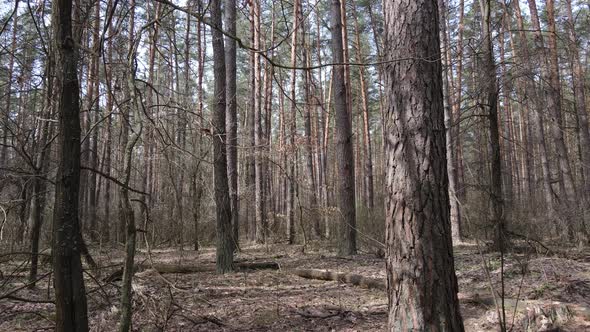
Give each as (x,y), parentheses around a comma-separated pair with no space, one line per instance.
(554,293)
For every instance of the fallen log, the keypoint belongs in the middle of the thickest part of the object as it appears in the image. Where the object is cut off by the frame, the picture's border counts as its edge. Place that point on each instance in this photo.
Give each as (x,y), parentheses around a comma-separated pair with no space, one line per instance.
(347,278)
(164,268)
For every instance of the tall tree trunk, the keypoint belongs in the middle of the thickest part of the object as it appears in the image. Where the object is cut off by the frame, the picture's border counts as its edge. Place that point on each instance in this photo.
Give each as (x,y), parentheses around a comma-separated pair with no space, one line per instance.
(506,122)
(106,225)
(344,153)
(457,102)
(224,251)
(232,115)
(490,105)
(421,282)
(536,116)
(92,205)
(268,109)
(309,135)
(40,185)
(70,293)
(552,89)
(197,181)
(449,127)
(293,128)
(149,179)
(251,161)
(558,128)
(126,213)
(367,143)
(580,101)
(258,133)
(6,116)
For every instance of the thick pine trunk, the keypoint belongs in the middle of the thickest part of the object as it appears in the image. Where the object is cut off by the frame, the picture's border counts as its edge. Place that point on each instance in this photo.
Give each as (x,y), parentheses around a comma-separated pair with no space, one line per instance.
(421,281)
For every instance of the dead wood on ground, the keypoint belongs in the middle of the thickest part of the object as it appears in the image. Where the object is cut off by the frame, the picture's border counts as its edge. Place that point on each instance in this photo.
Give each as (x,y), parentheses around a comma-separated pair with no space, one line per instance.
(347,278)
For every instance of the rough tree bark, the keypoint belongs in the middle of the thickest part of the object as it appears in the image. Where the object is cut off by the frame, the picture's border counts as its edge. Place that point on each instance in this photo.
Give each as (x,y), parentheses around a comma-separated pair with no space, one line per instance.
(344,153)
(70,293)
(224,251)
(421,282)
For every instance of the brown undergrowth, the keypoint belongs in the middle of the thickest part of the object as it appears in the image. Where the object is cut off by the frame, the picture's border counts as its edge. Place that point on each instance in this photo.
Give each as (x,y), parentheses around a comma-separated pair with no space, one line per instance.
(553,292)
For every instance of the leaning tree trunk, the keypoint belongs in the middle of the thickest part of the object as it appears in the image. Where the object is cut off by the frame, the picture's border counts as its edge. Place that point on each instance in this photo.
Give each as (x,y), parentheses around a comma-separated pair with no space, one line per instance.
(344,153)
(421,282)
(222,201)
(70,293)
